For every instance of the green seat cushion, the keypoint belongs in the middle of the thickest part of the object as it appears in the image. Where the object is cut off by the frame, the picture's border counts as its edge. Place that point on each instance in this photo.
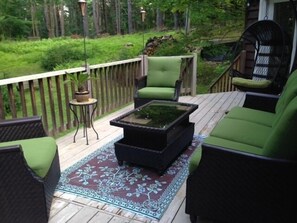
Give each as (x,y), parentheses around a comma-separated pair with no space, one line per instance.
(241,131)
(195,159)
(163,71)
(215,141)
(249,83)
(251,115)
(165,93)
(237,146)
(282,141)
(38,152)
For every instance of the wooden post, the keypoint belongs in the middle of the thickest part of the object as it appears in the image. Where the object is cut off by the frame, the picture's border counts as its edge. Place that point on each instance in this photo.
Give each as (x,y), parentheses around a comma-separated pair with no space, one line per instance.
(194,75)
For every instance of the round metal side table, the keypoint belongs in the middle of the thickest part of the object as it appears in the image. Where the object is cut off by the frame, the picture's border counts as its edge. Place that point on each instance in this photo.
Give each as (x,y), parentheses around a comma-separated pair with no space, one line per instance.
(84,107)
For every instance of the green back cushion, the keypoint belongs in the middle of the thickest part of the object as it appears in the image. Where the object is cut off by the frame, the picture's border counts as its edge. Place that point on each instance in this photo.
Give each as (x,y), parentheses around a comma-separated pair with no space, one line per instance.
(282,141)
(289,92)
(163,71)
(38,152)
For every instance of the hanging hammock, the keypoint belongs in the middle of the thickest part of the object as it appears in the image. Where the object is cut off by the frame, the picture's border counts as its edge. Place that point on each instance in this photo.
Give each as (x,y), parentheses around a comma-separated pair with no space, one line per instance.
(268,58)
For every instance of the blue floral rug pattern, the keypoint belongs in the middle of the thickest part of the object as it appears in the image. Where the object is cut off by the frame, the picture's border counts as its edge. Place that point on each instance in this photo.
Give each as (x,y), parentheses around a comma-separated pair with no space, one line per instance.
(140,190)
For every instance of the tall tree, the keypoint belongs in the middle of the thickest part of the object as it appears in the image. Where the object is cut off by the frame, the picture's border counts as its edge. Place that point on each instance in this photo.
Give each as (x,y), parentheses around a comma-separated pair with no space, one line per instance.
(118,16)
(130,22)
(97,13)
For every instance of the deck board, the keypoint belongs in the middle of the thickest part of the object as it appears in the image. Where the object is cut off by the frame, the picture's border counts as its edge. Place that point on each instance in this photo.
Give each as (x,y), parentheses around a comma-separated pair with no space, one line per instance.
(71,209)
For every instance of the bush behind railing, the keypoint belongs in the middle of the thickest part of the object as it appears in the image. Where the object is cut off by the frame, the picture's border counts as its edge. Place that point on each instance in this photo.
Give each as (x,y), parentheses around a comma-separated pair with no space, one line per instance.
(48,95)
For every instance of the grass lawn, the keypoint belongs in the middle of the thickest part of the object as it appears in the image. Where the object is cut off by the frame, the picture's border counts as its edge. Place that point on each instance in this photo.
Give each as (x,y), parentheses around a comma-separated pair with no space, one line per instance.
(19,58)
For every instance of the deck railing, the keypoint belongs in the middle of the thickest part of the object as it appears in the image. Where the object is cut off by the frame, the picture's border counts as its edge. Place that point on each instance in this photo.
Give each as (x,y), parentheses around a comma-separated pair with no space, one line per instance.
(48,95)
(224,82)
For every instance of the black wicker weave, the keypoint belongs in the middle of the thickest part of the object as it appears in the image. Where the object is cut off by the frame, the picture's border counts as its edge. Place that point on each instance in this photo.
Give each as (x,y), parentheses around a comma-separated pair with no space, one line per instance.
(268,51)
(24,196)
(230,186)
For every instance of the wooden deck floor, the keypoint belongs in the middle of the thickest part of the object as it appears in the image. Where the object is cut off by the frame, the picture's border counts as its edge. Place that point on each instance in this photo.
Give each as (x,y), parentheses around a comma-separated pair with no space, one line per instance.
(71,209)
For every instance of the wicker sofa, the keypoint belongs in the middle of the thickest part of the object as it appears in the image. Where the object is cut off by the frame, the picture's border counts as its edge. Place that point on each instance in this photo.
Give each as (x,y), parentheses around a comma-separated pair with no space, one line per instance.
(245,169)
(29,171)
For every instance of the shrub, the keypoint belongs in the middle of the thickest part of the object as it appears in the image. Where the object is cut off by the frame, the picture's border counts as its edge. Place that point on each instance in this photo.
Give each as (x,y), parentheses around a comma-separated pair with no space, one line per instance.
(58,55)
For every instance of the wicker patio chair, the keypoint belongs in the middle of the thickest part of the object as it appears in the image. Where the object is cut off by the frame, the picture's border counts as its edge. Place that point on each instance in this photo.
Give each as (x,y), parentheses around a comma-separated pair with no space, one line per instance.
(268,51)
(25,192)
(162,81)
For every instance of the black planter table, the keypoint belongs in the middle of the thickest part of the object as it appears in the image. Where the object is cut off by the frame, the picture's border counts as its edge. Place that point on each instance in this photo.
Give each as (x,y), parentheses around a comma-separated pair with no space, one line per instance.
(154,134)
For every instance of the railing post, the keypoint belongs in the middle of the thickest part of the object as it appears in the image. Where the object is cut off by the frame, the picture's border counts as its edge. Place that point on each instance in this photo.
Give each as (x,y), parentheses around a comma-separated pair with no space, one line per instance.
(194,75)
(143,65)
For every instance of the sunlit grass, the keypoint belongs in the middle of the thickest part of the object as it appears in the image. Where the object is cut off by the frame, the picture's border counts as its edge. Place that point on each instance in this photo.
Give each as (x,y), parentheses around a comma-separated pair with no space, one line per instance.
(19,58)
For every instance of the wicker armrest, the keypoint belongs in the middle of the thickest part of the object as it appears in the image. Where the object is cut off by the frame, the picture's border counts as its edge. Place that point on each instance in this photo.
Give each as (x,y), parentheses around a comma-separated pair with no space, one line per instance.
(21,128)
(178,84)
(139,83)
(259,101)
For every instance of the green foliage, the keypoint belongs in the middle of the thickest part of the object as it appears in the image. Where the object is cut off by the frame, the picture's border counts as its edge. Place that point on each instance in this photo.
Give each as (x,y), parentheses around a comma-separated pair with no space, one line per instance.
(59,55)
(18,58)
(171,49)
(6,101)
(208,72)
(79,80)
(12,27)
(215,50)
(217,18)
(179,46)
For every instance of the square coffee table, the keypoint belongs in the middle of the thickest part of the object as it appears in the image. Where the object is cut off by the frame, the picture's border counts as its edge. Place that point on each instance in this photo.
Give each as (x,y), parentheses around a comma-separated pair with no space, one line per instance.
(155,134)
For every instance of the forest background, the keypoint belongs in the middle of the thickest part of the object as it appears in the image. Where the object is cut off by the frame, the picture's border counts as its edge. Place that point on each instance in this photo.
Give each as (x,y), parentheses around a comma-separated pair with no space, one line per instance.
(57,28)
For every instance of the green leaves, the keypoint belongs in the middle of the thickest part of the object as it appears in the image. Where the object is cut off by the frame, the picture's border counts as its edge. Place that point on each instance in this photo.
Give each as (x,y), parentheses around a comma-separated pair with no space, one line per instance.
(79,80)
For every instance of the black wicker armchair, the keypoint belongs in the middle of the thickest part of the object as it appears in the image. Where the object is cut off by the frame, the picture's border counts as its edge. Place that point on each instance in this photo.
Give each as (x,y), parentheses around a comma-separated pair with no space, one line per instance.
(25,196)
(162,82)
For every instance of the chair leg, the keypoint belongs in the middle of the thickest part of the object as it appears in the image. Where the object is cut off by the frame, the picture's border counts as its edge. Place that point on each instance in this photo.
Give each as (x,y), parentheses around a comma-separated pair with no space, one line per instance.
(193,218)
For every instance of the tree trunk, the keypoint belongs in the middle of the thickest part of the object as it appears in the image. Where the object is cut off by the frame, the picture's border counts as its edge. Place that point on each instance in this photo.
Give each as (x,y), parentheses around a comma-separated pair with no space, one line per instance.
(175,18)
(55,13)
(187,23)
(130,26)
(35,30)
(61,18)
(105,15)
(159,19)
(96,16)
(118,16)
(47,18)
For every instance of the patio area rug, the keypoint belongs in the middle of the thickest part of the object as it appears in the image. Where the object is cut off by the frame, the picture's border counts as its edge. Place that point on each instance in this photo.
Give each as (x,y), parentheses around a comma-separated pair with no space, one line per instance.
(136,189)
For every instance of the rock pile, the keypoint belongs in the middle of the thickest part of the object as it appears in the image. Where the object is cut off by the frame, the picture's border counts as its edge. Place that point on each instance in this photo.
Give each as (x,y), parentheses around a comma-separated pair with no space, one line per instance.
(153,43)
